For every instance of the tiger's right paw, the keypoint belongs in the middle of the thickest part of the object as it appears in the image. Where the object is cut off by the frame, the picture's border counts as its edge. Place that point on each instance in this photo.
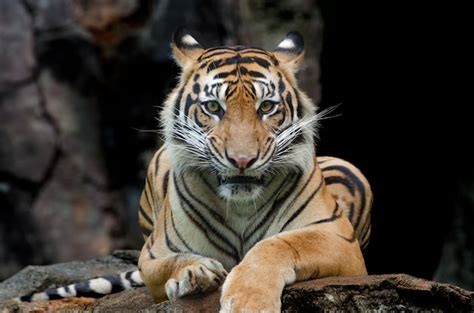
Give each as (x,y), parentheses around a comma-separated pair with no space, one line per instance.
(202,276)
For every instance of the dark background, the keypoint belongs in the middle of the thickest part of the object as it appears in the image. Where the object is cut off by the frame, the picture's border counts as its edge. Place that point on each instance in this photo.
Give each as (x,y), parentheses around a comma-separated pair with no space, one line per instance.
(81,83)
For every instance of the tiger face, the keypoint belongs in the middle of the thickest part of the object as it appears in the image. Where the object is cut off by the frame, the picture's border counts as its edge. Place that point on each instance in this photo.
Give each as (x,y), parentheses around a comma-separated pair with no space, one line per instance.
(238,115)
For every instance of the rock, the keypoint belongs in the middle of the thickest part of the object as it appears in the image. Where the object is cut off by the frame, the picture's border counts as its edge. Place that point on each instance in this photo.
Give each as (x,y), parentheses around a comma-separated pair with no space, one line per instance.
(25,132)
(381,292)
(37,278)
(17,60)
(51,15)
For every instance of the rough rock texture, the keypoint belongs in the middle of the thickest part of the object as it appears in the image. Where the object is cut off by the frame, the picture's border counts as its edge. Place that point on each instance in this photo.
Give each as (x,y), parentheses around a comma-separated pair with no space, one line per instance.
(381,292)
(36,278)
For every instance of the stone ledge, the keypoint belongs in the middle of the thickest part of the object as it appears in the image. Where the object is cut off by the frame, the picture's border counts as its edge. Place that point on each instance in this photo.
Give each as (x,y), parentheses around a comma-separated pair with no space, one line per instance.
(376,292)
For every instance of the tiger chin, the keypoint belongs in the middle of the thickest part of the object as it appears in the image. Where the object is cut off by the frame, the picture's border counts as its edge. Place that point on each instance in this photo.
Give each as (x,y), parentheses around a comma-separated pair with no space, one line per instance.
(236,198)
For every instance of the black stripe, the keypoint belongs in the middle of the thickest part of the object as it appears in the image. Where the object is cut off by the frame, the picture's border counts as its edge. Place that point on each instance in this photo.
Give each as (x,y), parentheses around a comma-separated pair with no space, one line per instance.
(150,203)
(207,183)
(145,231)
(178,234)
(268,150)
(299,105)
(157,161)
(216,215)
(83,289)
(189,102)
(145,216)
(248,86)
(322,161)
(178,101)
(26,298)
(277,205)
(365,231)
(238,60)
(53,294)
(299,194)
(266,161)
(256,74)
(148,184)
(229,92)
(207,228)
(358,183)
(351,239)
(196,118)
(116,283)
(250,231)
(332,218)
(225,74)
(164,184)
(329,180)
(206,55)
(289,101)
(196,88)
(281,85)
(212,140)
(224,50)
(303,206)
(168,241)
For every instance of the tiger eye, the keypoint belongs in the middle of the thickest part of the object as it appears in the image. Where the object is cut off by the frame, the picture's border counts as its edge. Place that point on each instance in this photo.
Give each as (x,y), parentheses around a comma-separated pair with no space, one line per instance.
(266,106)
(213,106)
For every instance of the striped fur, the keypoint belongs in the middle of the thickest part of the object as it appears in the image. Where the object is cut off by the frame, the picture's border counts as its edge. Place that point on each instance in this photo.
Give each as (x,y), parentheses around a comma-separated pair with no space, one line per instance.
(236,197)
(93,288)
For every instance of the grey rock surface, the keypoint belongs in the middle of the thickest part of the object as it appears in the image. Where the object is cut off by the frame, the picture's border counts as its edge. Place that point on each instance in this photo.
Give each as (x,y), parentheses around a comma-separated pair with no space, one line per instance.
(37,278)
(17,59)
(379,292)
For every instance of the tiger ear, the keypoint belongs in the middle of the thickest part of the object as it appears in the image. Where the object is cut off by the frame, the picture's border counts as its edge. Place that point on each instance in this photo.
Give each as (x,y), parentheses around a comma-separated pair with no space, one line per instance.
(290,51)
(185,48)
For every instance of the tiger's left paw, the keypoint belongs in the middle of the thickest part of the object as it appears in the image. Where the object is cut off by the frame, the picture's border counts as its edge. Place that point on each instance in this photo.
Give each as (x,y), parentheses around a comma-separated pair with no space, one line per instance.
(245,291)
(250,301)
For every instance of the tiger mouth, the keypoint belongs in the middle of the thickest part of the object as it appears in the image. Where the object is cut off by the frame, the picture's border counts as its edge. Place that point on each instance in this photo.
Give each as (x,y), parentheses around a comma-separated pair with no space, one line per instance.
(240,180)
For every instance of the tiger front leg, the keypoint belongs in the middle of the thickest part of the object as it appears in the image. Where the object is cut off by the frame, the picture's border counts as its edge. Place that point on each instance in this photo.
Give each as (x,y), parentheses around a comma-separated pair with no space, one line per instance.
(175,275)
(256,284)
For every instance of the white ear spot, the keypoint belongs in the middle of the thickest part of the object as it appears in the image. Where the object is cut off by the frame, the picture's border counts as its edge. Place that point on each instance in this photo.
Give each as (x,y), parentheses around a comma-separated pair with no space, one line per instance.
(189,40)
(287,44)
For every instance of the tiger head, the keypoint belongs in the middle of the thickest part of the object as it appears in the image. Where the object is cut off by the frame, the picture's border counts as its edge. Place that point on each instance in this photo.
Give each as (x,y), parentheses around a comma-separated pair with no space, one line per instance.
(238,115)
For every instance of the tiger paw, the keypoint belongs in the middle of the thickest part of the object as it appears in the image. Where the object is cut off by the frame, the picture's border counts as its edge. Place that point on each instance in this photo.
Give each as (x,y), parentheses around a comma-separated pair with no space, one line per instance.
(250,301)
(202,276)
(247,290)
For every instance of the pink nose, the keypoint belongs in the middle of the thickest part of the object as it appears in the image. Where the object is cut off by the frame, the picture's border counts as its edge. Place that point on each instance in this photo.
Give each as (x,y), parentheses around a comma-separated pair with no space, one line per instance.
(241,162)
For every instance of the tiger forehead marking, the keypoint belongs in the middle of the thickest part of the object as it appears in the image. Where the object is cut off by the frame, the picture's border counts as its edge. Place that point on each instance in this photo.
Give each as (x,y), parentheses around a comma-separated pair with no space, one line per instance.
(240,79)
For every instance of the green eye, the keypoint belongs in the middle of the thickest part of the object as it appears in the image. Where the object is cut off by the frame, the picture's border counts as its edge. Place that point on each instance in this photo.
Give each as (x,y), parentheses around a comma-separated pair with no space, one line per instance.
(212,106)
(266,107)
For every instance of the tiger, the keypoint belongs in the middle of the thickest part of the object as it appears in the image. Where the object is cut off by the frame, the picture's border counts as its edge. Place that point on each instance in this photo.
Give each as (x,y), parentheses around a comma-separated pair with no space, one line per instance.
(236,198)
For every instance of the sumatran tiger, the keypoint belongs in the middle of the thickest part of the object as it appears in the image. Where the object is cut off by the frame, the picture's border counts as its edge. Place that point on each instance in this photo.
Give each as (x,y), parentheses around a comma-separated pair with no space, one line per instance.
(236,197)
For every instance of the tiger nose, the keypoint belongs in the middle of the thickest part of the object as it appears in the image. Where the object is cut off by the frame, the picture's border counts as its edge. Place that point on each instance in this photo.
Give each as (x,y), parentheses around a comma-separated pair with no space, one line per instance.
(242,162)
